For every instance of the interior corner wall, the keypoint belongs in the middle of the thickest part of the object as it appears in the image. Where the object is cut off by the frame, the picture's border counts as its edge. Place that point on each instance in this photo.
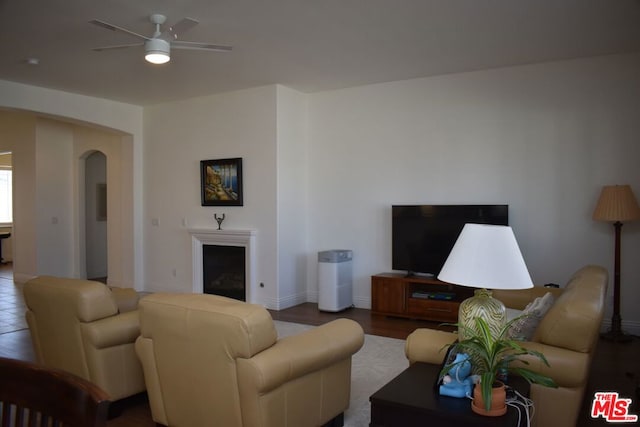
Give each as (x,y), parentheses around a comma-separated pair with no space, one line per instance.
(178,136)
(542,138)
(292,197)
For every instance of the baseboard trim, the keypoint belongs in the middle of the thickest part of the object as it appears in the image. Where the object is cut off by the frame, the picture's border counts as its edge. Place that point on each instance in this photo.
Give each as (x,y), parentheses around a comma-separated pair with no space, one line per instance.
(22,278)
(631,327)
(286,302)
(362,302)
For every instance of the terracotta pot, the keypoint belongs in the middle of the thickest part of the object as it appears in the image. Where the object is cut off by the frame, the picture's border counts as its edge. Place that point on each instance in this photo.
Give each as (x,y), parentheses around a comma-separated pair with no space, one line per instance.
(498,397)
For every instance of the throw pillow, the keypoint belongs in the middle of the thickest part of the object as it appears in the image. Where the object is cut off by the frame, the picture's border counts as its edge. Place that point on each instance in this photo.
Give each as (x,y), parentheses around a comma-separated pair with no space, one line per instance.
(512,313)
(525,325)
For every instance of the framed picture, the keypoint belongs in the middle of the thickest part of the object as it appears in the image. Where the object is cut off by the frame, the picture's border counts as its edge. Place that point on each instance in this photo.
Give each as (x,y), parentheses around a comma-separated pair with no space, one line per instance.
(221,182)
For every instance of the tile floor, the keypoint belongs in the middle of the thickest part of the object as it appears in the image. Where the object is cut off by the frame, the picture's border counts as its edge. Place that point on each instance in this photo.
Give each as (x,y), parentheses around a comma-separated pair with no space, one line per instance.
(12,306)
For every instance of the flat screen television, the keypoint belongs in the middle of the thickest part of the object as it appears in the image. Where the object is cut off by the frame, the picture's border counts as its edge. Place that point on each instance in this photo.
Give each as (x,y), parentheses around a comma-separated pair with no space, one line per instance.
(423,235)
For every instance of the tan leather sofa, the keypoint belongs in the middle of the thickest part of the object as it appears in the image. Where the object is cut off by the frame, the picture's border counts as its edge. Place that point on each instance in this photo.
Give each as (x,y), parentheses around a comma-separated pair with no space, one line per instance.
(567,335)
(211,360)
(77,325)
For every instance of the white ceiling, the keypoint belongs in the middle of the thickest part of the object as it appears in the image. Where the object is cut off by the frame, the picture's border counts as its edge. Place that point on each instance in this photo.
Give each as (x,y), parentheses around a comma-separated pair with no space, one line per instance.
(308,45)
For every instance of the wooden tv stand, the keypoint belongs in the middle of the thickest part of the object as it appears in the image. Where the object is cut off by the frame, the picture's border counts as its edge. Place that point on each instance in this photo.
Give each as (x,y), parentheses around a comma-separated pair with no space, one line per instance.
(416,297)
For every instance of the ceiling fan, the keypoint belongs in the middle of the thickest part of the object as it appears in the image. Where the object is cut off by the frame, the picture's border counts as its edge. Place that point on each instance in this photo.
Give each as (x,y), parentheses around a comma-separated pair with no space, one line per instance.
(158,46)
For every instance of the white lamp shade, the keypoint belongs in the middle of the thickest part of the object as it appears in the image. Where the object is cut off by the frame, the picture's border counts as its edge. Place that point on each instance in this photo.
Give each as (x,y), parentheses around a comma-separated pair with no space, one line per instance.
(486,256)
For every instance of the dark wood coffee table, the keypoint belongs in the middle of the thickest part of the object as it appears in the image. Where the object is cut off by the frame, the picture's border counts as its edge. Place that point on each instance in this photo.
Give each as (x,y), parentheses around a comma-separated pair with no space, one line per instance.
(411,399)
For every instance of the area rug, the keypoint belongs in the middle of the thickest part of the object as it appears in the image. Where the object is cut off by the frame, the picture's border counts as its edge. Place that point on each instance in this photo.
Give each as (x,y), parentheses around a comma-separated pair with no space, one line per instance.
(379,360)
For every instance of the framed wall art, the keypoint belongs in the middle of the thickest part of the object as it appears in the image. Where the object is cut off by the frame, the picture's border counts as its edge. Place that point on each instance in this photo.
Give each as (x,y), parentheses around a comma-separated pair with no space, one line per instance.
(221,182)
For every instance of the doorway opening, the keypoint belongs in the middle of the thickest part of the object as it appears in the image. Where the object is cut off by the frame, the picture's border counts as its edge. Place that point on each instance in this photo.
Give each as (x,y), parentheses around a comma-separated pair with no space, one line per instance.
(95,180)
(6,209)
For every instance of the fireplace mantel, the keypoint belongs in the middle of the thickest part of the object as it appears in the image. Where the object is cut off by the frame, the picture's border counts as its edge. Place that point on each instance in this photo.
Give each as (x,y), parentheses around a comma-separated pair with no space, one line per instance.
(212,236)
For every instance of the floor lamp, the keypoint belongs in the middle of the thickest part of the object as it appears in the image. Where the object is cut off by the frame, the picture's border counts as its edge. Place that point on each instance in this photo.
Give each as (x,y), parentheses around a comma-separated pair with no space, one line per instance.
(616,204)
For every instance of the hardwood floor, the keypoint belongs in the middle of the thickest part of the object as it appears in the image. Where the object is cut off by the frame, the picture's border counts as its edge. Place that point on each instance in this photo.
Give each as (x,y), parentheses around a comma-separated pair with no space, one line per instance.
(615,367)
(372,324)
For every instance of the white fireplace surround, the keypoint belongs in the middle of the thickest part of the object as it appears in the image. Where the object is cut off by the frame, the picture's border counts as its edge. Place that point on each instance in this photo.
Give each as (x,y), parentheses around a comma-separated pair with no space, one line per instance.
(238,238)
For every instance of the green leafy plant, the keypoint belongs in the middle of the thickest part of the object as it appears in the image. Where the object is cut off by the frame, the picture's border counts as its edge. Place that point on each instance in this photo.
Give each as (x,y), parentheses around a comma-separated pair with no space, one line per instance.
(490,355)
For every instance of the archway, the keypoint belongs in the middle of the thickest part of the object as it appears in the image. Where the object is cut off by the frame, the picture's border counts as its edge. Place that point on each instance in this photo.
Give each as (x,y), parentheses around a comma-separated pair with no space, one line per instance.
(98,125)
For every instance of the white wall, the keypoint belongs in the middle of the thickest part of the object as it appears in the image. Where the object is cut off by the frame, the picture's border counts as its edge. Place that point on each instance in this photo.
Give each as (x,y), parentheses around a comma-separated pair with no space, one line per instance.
(267,127)
(542,138)
(292,167)
(55,219)
(177,137)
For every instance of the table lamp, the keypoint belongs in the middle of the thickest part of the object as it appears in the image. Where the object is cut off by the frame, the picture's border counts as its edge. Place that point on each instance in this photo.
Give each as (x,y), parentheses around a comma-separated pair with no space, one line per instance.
(616,204)
(485,257)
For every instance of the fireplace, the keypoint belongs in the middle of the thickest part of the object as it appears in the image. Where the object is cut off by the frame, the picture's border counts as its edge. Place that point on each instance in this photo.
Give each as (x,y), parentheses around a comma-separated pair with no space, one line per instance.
(223,271)
(229,257)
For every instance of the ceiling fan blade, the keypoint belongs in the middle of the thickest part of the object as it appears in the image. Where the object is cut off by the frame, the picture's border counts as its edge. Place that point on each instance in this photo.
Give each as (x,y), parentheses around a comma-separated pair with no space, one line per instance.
(181,27)
(200,46)
(119,46)
(112,27)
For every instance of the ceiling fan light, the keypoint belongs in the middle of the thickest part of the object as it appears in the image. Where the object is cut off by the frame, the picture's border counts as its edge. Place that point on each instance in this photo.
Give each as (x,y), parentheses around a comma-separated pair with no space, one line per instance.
(157,51)
(157,57)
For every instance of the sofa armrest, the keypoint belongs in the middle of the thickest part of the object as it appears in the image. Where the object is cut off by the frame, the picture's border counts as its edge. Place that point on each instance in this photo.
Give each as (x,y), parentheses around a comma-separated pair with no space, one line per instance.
(126,299)
(112,331)
(295,356)
(567,368)
(428,345)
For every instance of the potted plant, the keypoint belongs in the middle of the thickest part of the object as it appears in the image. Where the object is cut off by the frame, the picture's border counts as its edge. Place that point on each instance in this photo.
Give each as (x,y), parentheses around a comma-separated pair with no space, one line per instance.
(490,356)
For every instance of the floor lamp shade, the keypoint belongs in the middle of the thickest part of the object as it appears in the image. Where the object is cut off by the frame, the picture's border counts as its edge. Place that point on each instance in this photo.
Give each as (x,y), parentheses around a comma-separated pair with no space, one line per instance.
(616,204)
(485,257)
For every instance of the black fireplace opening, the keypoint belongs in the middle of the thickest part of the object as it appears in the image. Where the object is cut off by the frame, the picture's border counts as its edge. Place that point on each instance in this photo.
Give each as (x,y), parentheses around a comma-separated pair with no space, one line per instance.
(224,271)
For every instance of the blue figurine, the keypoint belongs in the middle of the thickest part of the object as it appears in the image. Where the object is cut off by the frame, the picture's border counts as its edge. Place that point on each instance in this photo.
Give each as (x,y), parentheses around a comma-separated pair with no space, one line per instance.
(458,382)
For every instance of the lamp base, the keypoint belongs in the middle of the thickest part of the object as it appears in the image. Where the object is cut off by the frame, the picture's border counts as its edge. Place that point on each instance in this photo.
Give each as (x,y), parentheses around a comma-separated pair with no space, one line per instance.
(616,336)
(482,304)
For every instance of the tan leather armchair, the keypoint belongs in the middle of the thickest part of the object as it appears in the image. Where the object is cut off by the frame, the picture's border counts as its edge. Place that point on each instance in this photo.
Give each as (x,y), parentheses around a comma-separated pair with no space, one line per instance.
(76,325)
(567,335)
(211,360)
